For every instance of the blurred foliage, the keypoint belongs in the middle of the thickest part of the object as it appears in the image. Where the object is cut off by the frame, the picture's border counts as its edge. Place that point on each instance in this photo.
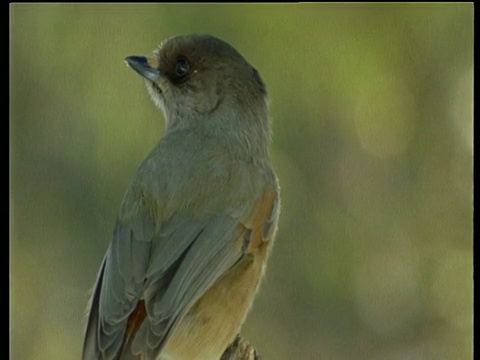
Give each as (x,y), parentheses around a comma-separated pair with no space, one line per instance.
(372,109)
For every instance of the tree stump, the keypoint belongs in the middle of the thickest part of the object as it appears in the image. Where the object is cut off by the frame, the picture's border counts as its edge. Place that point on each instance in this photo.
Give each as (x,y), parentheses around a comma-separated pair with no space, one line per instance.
(240,349)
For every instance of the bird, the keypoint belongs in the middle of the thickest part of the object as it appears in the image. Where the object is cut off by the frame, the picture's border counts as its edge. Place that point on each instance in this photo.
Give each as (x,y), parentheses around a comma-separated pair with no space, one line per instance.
(198,221)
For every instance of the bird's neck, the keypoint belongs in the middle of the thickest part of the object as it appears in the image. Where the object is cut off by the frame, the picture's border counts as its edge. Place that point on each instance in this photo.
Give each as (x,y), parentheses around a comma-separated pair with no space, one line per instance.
(243,135)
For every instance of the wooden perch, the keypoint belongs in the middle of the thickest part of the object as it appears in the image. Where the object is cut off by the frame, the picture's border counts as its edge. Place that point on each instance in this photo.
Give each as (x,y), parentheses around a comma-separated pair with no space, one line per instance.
(240,349)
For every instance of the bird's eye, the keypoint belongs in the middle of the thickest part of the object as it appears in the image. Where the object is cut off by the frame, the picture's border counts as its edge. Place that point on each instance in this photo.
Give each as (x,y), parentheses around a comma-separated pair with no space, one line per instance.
(181,67)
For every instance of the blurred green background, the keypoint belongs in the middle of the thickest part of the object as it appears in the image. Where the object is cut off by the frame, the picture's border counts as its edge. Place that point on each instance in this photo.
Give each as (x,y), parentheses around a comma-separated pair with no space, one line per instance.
(372,109)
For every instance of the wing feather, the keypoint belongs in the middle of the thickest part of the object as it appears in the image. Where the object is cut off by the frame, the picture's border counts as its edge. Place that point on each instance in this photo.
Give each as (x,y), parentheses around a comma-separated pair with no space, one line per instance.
(169,270)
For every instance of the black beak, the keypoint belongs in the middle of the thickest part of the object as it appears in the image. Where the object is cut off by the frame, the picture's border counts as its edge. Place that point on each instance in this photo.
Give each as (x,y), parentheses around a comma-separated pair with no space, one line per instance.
(141,66)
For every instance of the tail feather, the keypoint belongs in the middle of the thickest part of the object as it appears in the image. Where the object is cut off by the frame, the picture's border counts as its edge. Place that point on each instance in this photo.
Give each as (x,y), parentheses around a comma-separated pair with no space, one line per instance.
(91,350)
(92,347)
(135,321)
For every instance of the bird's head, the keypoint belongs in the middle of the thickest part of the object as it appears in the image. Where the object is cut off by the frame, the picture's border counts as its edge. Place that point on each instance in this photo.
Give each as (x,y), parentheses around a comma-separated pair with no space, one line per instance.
(199,78)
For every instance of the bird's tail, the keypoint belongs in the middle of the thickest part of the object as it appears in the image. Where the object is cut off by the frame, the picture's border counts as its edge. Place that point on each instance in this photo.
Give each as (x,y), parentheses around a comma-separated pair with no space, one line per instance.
(91,350)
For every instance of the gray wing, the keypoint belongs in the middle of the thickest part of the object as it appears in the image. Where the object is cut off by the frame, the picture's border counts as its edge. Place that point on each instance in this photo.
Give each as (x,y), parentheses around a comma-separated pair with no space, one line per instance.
(151,276)
(118,288)
(168,272)
(214,250)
